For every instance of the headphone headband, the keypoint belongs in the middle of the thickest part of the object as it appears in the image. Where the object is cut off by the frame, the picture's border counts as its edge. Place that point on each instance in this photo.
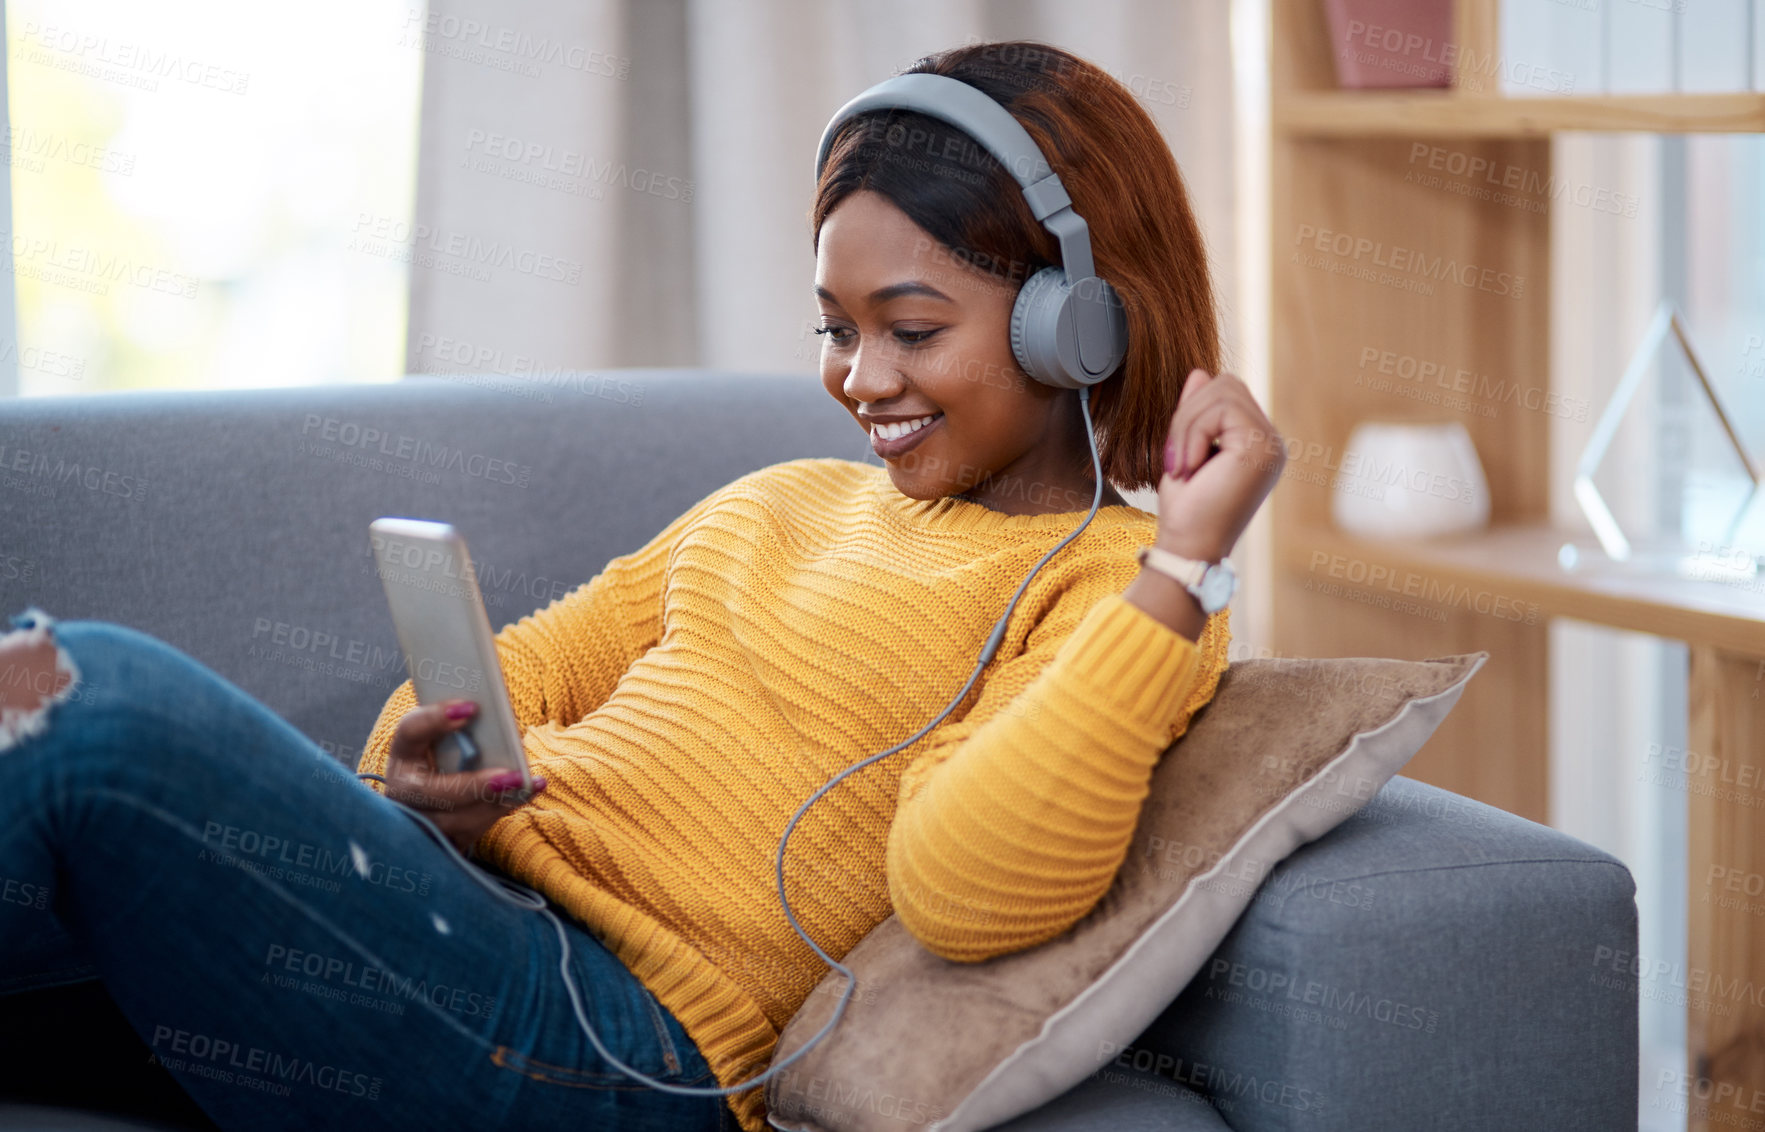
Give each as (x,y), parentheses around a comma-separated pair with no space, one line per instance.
(974,112)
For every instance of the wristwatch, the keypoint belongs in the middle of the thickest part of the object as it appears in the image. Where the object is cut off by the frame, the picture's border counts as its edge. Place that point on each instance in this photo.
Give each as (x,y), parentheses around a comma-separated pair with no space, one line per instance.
(1212,583)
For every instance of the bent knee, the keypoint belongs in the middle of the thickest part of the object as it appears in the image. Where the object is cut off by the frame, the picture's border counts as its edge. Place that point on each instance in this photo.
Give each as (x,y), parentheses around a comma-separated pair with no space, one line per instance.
(35,673)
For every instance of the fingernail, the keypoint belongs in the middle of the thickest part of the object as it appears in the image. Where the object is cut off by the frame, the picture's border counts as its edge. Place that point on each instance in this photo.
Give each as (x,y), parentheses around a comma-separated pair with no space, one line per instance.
(461,710)
(507,780)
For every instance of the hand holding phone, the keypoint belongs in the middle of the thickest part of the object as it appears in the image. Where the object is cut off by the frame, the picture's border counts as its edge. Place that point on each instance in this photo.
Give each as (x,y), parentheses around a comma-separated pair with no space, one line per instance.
(432,592)
(464,804)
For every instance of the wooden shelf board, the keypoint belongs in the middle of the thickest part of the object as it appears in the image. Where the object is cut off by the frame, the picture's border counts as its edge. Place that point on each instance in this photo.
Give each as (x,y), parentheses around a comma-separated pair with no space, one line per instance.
(1519,563)
(1442,113)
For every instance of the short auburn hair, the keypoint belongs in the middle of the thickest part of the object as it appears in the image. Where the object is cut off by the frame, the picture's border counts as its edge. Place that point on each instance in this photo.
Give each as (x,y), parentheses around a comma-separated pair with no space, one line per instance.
(1122,179)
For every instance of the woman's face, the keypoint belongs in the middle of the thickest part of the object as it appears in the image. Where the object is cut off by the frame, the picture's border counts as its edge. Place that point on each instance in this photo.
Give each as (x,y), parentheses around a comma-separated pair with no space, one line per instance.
(913,334)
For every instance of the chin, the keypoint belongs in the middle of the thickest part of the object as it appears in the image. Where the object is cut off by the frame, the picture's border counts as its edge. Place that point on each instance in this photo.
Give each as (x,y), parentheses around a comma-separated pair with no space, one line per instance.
(919,486)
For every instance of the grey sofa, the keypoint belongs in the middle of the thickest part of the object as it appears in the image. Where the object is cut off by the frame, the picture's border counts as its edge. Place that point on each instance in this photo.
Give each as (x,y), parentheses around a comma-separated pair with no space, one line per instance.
(1446,949)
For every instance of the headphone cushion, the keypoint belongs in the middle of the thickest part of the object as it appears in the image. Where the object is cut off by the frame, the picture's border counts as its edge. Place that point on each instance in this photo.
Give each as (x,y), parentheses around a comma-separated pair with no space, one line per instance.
(1035,319)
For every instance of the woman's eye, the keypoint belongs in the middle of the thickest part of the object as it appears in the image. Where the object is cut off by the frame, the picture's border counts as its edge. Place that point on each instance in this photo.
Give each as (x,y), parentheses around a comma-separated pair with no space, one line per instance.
(842,335)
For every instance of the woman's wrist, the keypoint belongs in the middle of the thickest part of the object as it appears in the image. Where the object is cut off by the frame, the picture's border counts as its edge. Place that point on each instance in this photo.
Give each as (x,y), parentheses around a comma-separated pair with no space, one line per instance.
(1166,600)
(1190,545)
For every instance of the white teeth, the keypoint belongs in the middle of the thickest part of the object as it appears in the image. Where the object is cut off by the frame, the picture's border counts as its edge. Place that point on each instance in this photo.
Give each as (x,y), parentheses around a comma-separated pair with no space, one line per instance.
(895,431)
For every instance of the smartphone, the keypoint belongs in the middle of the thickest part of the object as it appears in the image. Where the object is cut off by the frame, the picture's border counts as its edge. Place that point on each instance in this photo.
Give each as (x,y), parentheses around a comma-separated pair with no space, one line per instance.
(432,591)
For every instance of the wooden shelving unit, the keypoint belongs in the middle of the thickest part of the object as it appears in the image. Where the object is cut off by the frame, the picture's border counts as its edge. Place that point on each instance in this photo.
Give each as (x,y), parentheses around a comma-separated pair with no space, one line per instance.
(1357,253)
(1366,114)
(1516,566)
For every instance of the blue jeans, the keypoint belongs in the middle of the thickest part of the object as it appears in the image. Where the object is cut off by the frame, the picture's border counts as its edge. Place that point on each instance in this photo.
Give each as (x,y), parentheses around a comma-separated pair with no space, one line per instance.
(291,946)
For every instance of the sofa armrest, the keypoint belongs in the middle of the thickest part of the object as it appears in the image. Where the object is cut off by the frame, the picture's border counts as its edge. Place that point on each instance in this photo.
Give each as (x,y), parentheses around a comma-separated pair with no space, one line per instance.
(1433,962)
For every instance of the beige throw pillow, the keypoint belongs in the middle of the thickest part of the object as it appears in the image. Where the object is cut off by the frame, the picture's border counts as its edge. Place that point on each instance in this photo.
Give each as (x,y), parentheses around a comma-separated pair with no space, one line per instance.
(1284,752)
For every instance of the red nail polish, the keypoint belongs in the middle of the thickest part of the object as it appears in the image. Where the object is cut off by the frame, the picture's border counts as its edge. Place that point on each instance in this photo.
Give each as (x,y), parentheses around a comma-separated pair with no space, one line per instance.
(460,711)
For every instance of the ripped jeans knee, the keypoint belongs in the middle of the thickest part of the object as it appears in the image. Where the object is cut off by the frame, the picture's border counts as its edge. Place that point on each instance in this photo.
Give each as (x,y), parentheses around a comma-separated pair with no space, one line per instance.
(35,674)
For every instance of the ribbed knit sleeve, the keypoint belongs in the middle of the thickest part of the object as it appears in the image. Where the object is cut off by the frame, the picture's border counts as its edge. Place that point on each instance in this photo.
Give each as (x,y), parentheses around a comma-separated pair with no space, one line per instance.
(1013,822)
(562,661)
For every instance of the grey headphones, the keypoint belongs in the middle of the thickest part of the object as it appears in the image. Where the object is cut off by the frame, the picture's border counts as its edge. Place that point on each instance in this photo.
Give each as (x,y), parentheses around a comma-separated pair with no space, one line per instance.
(1068,328)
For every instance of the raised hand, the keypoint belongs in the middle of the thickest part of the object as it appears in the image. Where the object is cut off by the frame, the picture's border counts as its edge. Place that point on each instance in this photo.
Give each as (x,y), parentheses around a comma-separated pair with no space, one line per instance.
(1222,458)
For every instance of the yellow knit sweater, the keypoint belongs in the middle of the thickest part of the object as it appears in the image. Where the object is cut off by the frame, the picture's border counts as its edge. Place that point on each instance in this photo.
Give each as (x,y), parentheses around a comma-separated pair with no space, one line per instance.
(685,701)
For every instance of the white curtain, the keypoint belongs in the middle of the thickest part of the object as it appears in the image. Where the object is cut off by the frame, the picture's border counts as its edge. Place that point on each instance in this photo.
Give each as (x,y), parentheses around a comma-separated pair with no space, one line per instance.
(664,206)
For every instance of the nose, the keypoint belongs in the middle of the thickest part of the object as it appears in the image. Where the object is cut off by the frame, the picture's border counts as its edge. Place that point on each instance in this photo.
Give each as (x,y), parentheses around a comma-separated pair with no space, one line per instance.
(872,377)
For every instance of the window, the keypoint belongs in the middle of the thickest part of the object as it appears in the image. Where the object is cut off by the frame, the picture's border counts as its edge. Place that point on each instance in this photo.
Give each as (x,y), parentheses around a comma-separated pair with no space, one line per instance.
(1619,711)
(210,194)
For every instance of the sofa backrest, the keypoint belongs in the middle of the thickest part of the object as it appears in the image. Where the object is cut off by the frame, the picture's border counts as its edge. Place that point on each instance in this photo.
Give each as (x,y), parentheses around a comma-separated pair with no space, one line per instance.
(234,524)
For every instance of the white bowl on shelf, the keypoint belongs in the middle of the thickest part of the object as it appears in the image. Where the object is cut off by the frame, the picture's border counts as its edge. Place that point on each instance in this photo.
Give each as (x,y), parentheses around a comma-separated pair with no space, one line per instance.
(1409,479)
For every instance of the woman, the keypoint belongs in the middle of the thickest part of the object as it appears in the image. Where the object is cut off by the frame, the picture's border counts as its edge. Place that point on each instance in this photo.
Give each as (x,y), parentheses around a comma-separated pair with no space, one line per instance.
(296,953)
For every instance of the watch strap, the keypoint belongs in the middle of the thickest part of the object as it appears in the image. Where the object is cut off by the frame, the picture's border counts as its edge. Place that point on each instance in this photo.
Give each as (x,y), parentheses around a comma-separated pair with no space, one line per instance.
(1188,571)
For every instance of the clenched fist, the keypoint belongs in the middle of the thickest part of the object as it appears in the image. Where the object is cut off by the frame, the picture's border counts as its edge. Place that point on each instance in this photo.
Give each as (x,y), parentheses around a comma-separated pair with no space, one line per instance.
(1222,458)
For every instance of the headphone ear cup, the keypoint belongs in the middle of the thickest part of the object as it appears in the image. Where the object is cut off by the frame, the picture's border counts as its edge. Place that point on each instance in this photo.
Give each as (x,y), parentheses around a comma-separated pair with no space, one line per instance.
(1035,318)
(1046,327)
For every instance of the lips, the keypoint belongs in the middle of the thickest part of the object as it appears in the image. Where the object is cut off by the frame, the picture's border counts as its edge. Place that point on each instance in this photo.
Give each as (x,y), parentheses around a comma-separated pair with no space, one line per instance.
(891,448)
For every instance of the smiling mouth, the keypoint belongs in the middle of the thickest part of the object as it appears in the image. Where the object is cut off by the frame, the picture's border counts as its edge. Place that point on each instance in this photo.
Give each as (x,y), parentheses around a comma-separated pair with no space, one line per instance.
(903,428)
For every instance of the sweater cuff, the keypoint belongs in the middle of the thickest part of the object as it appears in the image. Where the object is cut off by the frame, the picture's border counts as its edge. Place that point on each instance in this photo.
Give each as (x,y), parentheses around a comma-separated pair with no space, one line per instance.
(1132,660)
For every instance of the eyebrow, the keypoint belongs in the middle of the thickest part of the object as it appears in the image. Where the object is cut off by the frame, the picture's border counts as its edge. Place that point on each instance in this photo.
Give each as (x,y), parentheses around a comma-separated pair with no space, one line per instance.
(893,291)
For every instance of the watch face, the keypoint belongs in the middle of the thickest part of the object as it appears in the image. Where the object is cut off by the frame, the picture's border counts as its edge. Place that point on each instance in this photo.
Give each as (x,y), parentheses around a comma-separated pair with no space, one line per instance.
(1217,586)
